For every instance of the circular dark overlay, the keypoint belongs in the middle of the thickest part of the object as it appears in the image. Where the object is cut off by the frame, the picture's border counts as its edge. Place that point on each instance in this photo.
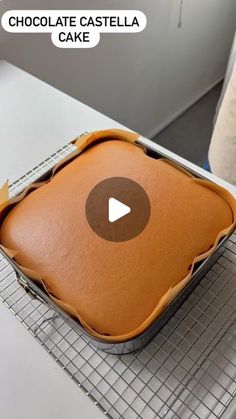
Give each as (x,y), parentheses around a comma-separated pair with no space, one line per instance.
(129,193)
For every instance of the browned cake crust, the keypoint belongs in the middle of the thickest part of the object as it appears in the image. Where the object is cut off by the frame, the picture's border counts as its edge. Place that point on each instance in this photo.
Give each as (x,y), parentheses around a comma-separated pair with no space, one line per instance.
(114,286)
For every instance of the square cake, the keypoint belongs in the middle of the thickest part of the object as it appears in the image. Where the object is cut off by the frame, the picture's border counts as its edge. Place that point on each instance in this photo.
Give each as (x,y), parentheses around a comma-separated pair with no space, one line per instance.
(115,289)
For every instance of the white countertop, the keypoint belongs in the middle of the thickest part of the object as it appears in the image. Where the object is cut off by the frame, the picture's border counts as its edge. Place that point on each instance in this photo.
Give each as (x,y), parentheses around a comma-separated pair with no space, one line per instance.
(32,385)
(35,121)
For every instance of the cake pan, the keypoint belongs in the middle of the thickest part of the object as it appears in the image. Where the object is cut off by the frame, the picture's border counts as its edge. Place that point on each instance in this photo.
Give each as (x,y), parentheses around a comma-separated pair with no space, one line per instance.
(144,338)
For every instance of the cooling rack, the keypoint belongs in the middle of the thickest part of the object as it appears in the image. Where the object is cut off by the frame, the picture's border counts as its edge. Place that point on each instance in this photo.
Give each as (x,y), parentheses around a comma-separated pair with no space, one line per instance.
(187,371)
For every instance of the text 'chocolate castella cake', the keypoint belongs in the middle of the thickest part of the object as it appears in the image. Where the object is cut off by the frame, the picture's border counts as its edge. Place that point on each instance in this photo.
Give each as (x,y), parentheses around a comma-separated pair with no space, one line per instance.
(116,289)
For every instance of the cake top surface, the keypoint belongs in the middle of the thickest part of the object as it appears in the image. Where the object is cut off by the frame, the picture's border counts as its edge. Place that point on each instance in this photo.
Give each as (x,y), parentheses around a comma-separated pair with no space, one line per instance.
(116,288)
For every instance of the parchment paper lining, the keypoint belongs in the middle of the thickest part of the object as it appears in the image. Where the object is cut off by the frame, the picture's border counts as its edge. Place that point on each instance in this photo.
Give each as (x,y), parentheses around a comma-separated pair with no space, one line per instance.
(82,144)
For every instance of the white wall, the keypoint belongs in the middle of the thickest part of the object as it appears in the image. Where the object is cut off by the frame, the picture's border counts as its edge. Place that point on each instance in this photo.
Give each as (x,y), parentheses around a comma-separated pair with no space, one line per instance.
(142,80)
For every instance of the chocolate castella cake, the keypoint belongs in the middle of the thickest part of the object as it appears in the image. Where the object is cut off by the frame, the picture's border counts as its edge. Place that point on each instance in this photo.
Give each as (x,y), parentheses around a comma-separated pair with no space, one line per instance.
(115,289)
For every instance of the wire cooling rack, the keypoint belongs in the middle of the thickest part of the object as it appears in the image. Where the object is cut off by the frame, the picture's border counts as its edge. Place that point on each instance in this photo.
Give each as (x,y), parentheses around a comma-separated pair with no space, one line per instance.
(187,371)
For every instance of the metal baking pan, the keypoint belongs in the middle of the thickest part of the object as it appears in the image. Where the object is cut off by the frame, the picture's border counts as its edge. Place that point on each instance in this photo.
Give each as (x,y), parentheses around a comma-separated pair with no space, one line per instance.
(143,339)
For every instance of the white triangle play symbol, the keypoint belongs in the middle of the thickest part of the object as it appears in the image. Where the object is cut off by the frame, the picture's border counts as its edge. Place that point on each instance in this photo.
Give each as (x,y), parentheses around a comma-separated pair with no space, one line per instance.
(117,210)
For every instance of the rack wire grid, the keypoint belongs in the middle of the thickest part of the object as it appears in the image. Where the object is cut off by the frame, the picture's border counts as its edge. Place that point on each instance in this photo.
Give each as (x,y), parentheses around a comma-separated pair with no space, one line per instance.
(187,371)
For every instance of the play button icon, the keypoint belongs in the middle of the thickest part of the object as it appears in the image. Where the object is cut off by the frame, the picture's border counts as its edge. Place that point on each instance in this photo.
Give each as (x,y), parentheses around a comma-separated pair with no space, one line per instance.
(117,209)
